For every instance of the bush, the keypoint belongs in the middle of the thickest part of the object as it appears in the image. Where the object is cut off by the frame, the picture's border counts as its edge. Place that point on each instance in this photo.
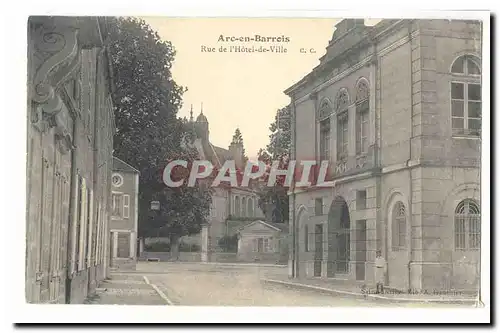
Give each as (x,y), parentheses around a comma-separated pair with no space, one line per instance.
(228,243)
(185,247)
(165,247)
(157,247)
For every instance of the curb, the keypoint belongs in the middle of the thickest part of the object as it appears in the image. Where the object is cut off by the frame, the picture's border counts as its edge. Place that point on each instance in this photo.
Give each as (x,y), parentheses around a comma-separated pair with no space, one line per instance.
(243,264)
(219,264)
(463,301)
(158,291)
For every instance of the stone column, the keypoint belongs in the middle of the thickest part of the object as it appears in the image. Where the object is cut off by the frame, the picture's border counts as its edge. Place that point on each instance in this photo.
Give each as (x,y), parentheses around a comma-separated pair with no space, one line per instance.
(204,243)
(141,246)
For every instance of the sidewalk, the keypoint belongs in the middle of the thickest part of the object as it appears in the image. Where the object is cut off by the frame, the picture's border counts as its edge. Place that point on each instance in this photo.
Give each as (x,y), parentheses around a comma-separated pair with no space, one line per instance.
(125,289)
(343,287)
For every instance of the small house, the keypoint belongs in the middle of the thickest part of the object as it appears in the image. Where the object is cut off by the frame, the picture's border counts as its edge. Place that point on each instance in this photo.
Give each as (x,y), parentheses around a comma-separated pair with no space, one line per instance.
(263,242)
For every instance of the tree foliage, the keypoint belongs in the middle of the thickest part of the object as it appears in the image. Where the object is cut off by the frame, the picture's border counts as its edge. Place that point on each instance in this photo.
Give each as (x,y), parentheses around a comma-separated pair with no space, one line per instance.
(238,139)
(278,149)
(148,132)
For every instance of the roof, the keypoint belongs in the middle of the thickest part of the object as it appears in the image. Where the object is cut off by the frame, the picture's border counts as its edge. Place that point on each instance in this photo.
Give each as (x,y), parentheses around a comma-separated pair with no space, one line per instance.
(349,35)
(119,165)
(217,155)
(283,227)
(234,226)
(222,154)
(201,118)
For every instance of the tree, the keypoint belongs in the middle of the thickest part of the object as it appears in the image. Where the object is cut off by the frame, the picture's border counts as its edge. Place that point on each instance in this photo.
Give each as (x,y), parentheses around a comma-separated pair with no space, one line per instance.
(148,132)
(238,139)
(278,149)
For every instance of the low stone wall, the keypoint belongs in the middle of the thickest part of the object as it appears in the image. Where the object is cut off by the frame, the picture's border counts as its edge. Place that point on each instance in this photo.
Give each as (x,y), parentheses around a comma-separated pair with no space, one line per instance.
(165,256)
(123,264)
(224,257)
(268,258)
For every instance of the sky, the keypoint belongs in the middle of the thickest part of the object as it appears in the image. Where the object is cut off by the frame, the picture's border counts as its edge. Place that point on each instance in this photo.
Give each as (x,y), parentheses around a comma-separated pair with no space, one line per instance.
(241,89)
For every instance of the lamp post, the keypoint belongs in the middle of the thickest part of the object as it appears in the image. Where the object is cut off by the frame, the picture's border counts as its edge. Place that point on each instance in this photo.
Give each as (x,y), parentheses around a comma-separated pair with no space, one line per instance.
(155,205)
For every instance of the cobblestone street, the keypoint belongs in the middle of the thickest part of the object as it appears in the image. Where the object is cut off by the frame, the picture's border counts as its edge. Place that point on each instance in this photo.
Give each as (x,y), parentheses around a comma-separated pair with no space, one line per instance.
(197,284)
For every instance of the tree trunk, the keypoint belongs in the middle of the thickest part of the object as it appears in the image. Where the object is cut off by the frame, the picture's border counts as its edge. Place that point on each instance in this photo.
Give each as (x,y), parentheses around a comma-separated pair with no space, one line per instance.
(174,247)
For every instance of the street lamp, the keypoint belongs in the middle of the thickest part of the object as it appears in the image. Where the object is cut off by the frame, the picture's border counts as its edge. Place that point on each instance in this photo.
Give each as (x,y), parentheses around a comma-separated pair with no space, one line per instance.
(155,205)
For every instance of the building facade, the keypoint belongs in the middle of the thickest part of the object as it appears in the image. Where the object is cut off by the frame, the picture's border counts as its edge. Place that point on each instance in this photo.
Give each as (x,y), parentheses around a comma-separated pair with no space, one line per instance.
(396,111)
(70,137)
(124,221)
(263,242)
(228,203)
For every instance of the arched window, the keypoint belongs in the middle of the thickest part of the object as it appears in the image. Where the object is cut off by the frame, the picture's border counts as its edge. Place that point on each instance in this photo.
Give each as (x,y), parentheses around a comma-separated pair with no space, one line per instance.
(250,207)
(398,226)
(467,225)
(325,112)
(342,103)
(237,206)
(362,116)
(466,96)
(244,207)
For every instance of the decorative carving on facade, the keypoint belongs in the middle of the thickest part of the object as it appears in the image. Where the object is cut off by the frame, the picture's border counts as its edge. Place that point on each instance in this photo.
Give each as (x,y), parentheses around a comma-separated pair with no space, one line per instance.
(342,101)
(56,49)
(362,91)
(59,50)
(360,161)
(324,110)
(342,115)
(341,167)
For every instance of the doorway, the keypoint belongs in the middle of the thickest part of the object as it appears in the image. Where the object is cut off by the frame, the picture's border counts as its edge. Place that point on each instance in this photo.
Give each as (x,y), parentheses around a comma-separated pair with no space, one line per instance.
(339,240)
(318,249)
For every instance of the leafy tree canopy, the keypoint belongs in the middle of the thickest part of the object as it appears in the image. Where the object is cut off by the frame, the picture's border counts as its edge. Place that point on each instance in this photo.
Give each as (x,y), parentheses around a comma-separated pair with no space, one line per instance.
(275,198)
(148,132)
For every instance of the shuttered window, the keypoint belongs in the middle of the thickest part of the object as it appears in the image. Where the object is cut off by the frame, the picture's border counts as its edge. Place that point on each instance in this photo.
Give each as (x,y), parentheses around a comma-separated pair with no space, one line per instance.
(126,206)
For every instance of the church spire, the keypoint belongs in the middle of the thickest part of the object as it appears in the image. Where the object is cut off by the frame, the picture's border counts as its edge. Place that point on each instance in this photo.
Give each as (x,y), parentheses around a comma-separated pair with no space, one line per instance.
(201,107)
(191,114)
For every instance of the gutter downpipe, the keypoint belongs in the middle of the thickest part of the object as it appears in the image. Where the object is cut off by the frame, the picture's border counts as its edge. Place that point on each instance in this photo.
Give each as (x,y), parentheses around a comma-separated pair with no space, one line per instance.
(295,255)
(410,196)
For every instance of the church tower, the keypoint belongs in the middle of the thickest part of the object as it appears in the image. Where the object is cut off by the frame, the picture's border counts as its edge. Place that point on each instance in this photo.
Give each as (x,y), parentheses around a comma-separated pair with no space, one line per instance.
(201,126)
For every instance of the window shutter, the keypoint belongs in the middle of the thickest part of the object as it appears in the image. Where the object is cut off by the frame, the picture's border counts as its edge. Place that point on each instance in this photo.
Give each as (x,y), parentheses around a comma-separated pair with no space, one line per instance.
(306,237)
(83,218)
(76,227)
(126,206)
(98,234)
(90,227)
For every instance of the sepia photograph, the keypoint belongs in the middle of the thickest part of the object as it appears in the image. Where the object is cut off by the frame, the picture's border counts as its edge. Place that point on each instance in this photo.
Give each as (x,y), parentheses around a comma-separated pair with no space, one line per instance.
(256,162)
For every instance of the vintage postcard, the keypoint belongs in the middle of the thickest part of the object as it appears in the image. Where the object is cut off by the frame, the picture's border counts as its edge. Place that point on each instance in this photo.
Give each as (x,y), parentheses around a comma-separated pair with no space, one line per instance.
(262,161)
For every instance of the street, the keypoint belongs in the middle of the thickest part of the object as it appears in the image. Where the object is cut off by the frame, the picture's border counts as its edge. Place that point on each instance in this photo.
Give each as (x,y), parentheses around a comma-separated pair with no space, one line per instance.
(196,284)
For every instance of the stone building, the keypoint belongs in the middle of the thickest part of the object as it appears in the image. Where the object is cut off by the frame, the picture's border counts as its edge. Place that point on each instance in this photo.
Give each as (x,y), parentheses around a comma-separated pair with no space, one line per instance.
(396,111)
(228,204)
(70,130)
(263,242)
(123,225)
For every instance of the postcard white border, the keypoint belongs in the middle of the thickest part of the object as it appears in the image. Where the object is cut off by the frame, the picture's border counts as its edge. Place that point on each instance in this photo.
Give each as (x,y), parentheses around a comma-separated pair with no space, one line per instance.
(14,152)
